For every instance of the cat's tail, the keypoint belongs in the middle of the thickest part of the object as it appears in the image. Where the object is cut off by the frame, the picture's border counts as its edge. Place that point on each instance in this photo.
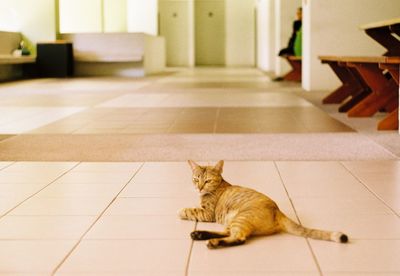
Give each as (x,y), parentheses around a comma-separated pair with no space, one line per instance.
(291,227)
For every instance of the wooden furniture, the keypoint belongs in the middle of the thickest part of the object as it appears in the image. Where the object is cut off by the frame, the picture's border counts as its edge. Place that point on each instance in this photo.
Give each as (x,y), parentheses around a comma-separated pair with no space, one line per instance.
(370,84)
(12,67)
(366,87)
(392,65)
(353,88)
(295,73)
(382,31)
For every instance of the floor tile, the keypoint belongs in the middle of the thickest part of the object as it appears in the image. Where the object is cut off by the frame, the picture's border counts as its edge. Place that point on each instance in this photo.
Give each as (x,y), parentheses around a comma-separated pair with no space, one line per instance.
(392,201)
(165,172)
(106,177)
(62,206)
(160,190)
(262,254)
(340,206)
(20,191)
(31,257)
(148,206)
(28,178)
(7,203)
(141,228)
(34,118)
(43,167)
(371,256)
(133,257)
(44,227)
(121,167)
(328,179)
(365,226)
(64,190)
(4,164)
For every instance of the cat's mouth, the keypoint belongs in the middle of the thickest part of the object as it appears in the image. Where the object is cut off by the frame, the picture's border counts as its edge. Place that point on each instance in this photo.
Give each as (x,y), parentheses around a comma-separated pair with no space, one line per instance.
(203,192)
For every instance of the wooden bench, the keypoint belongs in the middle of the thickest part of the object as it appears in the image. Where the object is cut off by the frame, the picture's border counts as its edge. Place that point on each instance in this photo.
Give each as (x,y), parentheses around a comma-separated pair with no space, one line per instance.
(382,32)
(11,67)
(392,65)
(9,41)
(353,88)
(295,73)
(366,87)
(124,54)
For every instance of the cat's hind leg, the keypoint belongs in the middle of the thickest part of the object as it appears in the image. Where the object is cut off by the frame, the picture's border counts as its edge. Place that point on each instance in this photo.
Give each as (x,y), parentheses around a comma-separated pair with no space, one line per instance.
(237,237)
(207,235)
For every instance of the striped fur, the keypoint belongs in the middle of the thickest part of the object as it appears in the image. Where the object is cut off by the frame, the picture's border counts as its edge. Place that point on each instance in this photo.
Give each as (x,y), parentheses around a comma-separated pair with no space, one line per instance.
(243,211)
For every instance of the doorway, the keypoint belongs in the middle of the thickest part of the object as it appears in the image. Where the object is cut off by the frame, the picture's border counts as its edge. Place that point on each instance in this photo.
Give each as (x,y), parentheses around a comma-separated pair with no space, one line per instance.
(210,33)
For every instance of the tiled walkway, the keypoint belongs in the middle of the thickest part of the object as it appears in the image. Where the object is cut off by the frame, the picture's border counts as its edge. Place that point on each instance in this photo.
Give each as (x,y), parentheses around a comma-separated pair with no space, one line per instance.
(120,218)
(190,101)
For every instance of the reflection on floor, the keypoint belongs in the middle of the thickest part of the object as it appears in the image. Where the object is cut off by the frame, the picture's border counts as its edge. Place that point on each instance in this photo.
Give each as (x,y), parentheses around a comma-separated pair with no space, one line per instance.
(119,218)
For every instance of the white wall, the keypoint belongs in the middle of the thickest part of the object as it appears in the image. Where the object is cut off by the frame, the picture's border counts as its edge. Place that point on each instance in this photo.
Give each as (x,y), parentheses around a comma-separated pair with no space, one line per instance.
(36,22)
(115,16)
(143,16)
(77,16)
(240,32)
(285,14)
(266,35)
(330,27)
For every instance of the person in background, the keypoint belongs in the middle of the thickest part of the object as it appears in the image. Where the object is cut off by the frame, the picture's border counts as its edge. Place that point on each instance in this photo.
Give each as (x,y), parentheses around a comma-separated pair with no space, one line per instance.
(294,45)
(290,49)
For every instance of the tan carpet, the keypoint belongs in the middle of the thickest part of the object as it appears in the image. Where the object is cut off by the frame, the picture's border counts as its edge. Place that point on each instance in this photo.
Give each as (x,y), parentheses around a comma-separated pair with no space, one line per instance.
(179,147)
(4,137)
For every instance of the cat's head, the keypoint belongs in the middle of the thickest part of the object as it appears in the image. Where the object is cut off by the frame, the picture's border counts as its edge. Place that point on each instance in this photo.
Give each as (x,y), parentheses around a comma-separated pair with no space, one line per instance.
(206,179)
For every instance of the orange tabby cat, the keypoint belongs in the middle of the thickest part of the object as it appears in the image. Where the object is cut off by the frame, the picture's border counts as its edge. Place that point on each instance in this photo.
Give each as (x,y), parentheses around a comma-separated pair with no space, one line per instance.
(243,211)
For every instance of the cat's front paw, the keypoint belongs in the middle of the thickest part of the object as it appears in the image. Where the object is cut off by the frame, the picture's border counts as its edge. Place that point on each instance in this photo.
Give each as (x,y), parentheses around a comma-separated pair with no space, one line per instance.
(182,213)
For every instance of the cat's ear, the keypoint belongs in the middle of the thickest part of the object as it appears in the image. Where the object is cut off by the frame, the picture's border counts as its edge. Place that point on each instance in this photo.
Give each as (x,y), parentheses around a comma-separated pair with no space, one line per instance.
(193,165)
(219,166)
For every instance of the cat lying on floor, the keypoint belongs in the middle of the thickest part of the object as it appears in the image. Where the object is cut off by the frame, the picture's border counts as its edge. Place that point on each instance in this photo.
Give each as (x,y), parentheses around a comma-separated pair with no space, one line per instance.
(243,211)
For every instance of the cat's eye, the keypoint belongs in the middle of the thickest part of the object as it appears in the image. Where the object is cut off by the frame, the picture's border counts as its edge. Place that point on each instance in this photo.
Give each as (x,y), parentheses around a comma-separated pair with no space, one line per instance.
(208,181)
(195,180)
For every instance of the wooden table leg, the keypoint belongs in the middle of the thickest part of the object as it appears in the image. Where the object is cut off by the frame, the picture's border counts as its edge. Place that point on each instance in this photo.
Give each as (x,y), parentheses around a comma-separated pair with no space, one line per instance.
(350,85)
(295,73)
(390,122)
(383,90)
(384,37)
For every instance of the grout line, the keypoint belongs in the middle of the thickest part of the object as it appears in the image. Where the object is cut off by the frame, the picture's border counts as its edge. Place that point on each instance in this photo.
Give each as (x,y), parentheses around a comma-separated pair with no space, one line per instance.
(12,163)
(217,115)
(370,190)
(32,195)
(190,253)
(96,220)
(298,219)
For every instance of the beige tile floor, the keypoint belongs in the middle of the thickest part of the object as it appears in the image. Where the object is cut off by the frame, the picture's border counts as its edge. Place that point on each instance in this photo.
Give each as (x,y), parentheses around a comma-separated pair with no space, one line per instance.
(119,218)
(189,101)
(76,218)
